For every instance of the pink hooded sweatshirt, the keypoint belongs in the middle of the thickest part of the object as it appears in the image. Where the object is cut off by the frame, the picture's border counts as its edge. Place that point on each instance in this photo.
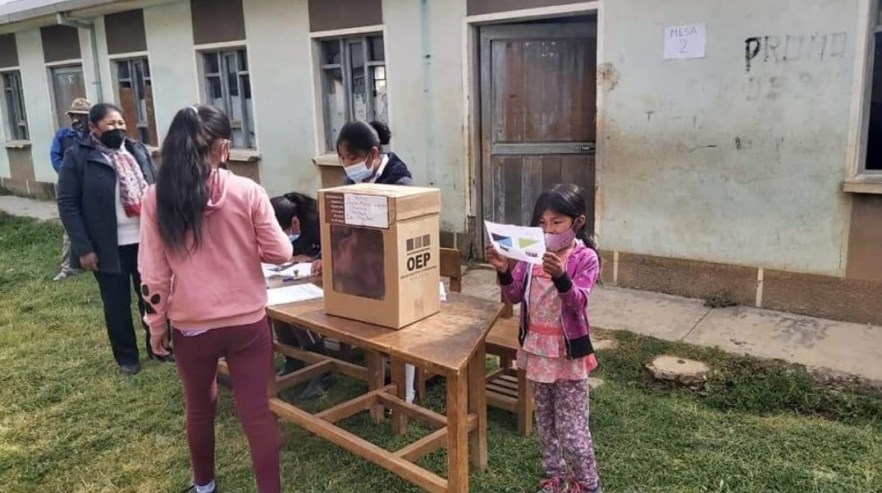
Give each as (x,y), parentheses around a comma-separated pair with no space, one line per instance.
(221,284)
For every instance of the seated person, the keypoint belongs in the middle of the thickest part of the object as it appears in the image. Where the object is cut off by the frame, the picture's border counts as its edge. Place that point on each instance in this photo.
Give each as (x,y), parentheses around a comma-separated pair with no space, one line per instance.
(361,149)
(297,214)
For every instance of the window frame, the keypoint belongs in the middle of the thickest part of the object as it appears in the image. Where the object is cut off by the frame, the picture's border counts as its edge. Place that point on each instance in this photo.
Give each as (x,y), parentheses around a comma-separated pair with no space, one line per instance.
(13,130)
(222,51)
(863,180)
(131,59)
(345,67)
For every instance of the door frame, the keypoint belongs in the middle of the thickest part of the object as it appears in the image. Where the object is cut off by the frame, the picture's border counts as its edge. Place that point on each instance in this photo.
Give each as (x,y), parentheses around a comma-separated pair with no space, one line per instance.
(472,106)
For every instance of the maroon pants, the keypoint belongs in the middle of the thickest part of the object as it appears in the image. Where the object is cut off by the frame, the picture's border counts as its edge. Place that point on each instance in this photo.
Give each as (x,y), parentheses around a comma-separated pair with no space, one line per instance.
(248,352)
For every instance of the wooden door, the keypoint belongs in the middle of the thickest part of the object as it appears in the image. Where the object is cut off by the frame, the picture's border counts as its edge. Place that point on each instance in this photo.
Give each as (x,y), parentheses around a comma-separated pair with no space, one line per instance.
(538,105)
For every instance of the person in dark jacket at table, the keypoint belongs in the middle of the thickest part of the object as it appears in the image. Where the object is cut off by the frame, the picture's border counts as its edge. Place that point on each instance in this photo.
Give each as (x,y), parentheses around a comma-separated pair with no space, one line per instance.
(361,149)
(64,140)
(298,216)
(100,187)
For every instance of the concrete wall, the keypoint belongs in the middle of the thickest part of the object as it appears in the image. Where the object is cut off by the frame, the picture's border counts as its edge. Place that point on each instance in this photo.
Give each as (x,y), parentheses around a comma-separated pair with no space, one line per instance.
(38,102)
(282,89)
(425,63)
(172,60)
(705,159)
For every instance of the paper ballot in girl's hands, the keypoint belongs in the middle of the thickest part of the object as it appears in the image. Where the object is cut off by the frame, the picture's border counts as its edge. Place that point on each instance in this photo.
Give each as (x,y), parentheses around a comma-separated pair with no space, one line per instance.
(517,242)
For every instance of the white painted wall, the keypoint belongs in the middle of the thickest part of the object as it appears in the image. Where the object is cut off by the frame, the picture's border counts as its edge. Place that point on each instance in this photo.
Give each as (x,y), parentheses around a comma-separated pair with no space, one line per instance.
(282,92)
(674,181)
(424,52)
(172,60)
(38,102)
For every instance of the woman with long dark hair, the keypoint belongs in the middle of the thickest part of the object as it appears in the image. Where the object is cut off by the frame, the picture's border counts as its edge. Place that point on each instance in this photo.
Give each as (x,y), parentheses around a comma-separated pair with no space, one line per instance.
(101,184)
(209,230)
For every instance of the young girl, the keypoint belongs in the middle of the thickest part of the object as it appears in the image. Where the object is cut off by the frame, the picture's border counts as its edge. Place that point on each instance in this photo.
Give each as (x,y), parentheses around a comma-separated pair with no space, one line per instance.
(204,234)
(555,349)
(362,150)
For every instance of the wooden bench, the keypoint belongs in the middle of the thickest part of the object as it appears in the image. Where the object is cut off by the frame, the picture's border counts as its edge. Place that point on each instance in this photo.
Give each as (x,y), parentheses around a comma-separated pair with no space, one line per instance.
(507,387)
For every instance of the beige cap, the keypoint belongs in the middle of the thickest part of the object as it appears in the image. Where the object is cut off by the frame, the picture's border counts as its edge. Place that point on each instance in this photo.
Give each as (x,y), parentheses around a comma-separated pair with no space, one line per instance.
(80,106)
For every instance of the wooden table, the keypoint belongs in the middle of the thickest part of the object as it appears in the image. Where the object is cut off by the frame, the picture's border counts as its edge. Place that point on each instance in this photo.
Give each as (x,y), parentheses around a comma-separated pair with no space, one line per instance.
(450,344)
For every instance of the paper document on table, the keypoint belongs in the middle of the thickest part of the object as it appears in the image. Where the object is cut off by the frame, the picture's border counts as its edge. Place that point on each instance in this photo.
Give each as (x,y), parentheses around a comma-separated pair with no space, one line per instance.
(517,242)
(293,294)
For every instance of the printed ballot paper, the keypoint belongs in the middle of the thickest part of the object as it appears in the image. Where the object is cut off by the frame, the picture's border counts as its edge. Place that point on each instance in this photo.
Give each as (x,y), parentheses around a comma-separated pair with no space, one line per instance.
(517,242)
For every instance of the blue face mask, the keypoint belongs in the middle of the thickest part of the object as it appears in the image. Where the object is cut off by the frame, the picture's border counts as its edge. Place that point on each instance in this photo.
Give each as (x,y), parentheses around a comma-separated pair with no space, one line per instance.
(358,172)
(293,238)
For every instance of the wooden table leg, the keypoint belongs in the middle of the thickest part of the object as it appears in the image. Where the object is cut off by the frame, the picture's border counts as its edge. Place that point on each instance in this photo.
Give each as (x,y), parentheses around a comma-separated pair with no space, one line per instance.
(375,380)
(478,406)
(457,434)
(399,419)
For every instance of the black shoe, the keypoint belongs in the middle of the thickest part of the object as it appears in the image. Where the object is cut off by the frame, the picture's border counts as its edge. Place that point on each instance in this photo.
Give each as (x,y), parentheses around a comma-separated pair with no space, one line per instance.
(170,358)
(291,365)
(318,386)
(129,370)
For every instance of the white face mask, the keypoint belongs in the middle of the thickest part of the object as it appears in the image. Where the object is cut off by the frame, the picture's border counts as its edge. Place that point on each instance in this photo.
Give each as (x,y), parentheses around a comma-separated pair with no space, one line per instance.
(358,172)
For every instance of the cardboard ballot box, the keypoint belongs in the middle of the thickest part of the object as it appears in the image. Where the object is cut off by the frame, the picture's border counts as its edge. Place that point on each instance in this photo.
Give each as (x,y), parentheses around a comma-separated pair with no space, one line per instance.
(380,253)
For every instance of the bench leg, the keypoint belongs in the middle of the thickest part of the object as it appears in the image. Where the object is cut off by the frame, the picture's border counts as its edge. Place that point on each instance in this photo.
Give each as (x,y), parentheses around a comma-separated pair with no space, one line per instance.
(525,404)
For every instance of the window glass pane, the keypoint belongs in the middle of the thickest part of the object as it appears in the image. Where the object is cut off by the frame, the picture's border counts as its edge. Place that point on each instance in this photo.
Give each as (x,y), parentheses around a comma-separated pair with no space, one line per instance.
(331,52)
(377,51)
(215,93)
(243,61)
(874,134)
(123,70)
(381,104)
(230,64)
(335,101)
(359,86)
(212,63)
(145,66)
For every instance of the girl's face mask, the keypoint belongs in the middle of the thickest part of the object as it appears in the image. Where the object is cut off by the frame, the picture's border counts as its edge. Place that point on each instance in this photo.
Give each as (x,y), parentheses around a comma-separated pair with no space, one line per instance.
(556,242)
(358,172)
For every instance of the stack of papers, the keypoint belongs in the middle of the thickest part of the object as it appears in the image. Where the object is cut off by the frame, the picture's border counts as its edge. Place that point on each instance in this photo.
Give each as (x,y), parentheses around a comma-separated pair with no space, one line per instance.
(293,294)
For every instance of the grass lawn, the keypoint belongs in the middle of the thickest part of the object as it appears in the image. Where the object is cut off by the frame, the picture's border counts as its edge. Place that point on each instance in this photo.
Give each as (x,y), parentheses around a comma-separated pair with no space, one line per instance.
(70,423)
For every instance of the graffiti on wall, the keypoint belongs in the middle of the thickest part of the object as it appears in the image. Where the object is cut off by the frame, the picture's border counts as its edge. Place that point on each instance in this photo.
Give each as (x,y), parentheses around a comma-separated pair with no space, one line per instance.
(776,49)
(788,50)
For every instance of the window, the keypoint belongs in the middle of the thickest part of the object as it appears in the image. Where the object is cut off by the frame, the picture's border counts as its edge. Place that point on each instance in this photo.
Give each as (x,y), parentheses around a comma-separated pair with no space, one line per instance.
(873,163)
(353,83)
(136,99)
(67,85)
(16,118)
(228,87)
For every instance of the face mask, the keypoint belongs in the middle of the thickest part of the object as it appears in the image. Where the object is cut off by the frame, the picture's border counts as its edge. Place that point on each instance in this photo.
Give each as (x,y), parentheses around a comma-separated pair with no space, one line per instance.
(113,139)
(556,242)
(293,238)
(358,172)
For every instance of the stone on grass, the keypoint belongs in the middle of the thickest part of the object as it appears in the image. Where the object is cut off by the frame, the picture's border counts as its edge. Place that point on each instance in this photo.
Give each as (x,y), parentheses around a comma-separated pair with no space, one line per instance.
(681,371)
(605,344)
(594,383)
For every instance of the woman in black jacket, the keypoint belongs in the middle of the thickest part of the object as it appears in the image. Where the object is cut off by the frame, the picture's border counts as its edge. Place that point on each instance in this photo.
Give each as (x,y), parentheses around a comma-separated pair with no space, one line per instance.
(100,186)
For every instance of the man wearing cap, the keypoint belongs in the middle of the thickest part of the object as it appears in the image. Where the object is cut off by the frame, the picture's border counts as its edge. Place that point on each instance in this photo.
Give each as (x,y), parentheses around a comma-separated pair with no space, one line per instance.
(64,139)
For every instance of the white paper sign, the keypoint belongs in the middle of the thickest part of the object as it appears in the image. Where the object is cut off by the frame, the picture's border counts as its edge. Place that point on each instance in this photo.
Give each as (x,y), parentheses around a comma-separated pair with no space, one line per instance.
(366,210)
(685,42)
(517,242)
